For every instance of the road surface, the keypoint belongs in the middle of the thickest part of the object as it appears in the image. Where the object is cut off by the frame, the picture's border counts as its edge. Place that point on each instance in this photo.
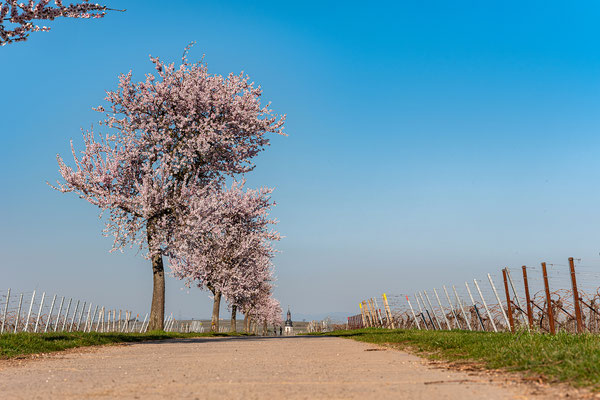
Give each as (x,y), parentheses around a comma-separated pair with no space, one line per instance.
(244,368)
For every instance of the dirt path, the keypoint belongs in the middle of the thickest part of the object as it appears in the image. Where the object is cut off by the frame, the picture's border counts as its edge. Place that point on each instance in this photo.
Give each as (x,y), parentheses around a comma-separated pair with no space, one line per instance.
(244,368)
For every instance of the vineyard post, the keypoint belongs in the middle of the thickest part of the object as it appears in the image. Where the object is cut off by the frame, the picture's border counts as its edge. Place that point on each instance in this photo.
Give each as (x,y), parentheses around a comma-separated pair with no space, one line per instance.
(119,320)
(421,311)
(50,314)
(143,323)
(29,312)
(80,317)
(475,307)
(74,316)
(527,298)
(427,311)
(378,311)
(66,315)
(499,302)
(462,308)
(442,309)
(37,320)
(18,313)
(87,318)
(512,285)
(486,307)
(370,311)
(548,299)
(62,300)
(452,308)
(92,320)
(99,314)
(5,311)
(114,319)
(509,309)
(433,311)
(362,314)
(576,296)
(388,311)
(413,313)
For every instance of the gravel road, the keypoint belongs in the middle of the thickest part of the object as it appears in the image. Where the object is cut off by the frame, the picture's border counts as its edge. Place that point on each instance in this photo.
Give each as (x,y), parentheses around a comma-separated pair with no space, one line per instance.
(243,368)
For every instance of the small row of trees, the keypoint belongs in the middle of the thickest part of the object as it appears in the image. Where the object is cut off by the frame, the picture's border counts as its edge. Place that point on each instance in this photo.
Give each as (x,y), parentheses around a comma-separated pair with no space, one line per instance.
(167,173)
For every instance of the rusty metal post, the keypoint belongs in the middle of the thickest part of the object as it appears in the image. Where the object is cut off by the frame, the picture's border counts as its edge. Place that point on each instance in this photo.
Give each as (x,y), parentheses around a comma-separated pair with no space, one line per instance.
(575,296)
(509,308)
(519,305)
(548,300)
(527,298)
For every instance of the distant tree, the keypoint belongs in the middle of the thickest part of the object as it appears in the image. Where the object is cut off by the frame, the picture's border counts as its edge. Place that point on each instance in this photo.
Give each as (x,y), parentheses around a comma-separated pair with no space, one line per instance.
(172,138)
(224,245)
(16,19)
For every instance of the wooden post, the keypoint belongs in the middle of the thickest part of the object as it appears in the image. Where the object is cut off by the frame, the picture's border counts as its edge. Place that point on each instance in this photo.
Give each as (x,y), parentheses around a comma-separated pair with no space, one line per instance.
(362,314)
(509,308)
(378,312)
(548,300)
(368,313)
(575,296)
(527,298)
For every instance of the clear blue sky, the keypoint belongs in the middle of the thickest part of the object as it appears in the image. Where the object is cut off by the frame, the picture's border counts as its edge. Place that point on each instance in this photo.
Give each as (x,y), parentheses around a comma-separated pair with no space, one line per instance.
(429,142)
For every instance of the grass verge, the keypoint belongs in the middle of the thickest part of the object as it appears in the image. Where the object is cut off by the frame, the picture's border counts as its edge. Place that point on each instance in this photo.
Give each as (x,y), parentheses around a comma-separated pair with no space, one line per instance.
(574,359)
(20,344)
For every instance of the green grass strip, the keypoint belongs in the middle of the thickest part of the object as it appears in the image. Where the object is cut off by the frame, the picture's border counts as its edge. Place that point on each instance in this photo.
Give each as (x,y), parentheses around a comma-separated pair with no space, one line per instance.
(574,359)
(20,344)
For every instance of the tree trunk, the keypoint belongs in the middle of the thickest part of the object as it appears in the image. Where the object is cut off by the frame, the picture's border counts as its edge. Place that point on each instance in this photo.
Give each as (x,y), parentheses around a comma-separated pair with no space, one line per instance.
(246,323)
(214,323)
(233,328)
(265,332)
(157,309)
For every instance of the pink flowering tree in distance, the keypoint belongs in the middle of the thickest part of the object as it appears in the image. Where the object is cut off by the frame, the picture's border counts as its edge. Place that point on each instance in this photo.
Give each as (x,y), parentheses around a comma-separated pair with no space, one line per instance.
(171,138)
(265,311)
(225,245)
(17,18)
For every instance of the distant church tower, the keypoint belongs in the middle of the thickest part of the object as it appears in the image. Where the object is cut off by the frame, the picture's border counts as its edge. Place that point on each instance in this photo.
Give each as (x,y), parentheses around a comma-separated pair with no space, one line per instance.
(289,326)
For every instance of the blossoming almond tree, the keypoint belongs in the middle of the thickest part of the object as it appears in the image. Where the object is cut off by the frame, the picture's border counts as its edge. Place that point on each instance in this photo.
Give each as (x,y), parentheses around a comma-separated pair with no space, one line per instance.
(16,18)
(170,139)
(225,245)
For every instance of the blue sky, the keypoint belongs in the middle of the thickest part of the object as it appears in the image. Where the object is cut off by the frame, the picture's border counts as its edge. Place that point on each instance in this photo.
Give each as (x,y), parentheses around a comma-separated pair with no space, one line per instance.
(429,142)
